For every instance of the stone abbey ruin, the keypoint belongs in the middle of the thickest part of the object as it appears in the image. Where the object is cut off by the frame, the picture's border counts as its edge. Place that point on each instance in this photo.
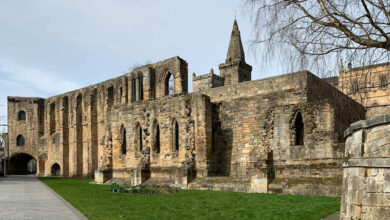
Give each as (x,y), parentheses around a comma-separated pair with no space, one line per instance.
(282,134)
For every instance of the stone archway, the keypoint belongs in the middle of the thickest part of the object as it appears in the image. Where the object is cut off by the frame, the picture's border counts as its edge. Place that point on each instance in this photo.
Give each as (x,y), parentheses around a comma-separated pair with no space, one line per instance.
(22,163)
(55,169)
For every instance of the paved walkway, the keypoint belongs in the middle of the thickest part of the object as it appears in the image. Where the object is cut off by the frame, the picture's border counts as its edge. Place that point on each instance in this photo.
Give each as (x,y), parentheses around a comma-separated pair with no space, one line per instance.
(25,197)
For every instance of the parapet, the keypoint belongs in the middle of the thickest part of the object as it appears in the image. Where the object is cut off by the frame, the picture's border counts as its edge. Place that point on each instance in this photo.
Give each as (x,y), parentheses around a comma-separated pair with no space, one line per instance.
(206,81)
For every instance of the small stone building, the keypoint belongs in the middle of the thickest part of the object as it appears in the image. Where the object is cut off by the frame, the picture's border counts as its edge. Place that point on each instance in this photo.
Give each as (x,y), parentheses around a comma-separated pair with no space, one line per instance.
(281,134)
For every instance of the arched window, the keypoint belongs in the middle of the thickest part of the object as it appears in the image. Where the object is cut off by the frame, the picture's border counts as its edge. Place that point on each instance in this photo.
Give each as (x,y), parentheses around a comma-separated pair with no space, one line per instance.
(156,132)
(22,116)
(354,86)
(176,136)
(384,82)
(169,85)
(299,129)
(133,90)
(20,140)
(123,146)
(140,137)
(140,88)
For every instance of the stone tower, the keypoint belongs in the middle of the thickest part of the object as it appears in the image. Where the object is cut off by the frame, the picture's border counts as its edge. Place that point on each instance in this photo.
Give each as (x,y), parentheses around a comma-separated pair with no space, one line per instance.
(235,69)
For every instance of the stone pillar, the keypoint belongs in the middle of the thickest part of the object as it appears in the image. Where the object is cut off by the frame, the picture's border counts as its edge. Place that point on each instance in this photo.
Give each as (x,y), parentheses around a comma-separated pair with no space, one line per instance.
(203,133)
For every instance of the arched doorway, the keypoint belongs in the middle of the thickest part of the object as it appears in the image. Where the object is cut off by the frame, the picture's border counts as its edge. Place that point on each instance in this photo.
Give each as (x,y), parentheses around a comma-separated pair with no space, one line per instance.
(55,169)
(22,163)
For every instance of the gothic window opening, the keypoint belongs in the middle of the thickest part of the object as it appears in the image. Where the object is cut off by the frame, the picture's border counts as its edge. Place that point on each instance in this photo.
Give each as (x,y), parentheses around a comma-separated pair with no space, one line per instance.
(22,116)
(20,141)
(169,85)
(123,145)
(52,118)
(157,138)
(384,82)
(140,88)
(140,137)
(354,86)
(133,90)
(110,97)
(299,129)
(176,136)
(120,94)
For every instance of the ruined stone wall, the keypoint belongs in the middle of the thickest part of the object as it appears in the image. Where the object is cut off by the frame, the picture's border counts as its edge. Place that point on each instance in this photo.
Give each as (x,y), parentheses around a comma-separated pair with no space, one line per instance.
(69,129)
(368,86)
(167,163)
(366,178)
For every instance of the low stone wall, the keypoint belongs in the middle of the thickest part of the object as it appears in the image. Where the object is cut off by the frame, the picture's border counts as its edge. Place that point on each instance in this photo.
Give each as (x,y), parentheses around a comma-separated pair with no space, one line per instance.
(366,178)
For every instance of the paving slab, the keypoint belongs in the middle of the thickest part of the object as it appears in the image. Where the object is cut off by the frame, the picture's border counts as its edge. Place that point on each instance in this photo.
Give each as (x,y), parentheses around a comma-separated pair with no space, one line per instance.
(26,197)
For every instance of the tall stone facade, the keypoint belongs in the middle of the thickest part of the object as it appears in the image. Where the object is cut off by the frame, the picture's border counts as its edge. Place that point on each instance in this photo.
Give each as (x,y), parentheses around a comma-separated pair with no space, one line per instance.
(282,134)
(367,85)
(366,181)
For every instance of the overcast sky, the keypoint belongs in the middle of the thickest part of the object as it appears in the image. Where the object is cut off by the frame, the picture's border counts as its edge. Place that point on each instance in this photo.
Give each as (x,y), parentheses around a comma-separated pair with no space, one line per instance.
(48,47)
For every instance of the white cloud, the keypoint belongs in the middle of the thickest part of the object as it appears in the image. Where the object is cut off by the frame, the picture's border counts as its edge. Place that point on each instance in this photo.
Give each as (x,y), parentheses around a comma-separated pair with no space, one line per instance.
(44,82)
(19,80)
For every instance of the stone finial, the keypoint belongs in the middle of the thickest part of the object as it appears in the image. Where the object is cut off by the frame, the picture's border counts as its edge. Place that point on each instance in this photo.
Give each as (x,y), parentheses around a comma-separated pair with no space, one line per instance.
(193,75)
(211,71)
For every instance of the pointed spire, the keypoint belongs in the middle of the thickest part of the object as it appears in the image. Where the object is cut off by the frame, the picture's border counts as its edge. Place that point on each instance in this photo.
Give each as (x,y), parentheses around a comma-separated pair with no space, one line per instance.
(235,51)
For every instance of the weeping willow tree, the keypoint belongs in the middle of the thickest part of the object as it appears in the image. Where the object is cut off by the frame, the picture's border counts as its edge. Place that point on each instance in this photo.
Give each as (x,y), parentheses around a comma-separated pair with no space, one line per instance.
(315,34)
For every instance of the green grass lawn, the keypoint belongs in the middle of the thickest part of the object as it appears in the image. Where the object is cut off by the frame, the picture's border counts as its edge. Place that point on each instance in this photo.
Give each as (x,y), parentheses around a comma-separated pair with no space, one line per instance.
(96,202)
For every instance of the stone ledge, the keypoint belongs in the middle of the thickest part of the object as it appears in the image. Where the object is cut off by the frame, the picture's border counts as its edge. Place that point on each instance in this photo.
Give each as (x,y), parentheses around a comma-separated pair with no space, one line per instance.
(371,122)
(368,162)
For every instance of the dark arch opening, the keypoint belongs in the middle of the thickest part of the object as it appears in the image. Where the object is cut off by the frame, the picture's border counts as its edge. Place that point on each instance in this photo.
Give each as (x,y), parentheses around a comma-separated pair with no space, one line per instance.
(20,141)
(176,136)
(157,137)
(55,169)
(21,164)
(140,137)
(22,116)
(299,129)
(123,146)
(140,88)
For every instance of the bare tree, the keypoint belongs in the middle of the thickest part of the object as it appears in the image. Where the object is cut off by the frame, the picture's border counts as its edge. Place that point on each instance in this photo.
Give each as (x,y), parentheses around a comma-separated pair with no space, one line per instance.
(313,33)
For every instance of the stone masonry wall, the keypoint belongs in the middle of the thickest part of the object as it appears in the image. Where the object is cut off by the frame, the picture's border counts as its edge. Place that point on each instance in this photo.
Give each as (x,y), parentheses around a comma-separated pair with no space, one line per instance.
(68,129)
(366,178)
(368,86)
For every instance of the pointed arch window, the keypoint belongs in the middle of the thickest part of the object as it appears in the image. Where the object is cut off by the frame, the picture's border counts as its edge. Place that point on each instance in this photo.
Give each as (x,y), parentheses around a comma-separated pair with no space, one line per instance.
(156,131)
(22,116)
(123,145)
(169,84)
(140,138)
(176,136)
(299,129)
(140,88)
(133,90)
(354,86)
(20,141)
